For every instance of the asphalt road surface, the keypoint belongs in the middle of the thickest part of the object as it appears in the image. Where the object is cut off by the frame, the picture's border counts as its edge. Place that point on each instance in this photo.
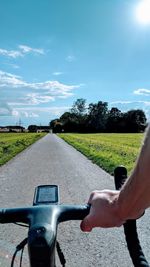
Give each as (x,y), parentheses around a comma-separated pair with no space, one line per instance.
(52,161)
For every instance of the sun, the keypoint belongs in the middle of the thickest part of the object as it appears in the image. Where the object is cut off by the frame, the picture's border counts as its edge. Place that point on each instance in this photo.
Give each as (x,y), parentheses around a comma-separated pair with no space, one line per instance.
(143,12)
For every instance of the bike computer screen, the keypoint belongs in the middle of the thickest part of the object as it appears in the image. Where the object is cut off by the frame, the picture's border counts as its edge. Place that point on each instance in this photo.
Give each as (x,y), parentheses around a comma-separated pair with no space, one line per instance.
(46,194)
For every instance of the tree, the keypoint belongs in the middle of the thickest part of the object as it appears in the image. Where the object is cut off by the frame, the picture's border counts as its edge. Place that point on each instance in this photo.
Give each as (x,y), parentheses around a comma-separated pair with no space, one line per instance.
(135,120)
(32,128)
(97,117)
(70,122)
(114,120)
(56,126)
(79,107)
(75,120)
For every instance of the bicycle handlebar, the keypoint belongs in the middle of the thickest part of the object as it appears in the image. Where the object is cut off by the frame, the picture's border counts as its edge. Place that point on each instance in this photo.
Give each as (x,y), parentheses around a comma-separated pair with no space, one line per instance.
(46,213)
(43,221)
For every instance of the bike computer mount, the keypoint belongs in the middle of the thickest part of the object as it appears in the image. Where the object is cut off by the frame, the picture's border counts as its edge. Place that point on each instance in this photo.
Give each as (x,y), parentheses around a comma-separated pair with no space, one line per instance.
(46,194)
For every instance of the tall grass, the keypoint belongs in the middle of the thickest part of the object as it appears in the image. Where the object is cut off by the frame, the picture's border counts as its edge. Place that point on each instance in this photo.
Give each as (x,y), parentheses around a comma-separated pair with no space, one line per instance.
(13,143)
(107,150)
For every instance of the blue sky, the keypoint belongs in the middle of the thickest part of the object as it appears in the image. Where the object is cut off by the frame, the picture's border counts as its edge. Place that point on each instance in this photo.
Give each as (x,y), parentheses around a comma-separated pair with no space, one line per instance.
(53,52)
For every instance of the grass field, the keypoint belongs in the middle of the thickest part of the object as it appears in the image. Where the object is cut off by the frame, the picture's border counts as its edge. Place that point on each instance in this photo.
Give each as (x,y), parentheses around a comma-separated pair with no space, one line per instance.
(107,150)
(13,143)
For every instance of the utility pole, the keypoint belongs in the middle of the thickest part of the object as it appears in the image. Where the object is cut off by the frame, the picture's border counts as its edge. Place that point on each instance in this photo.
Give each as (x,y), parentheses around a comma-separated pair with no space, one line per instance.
(20,122)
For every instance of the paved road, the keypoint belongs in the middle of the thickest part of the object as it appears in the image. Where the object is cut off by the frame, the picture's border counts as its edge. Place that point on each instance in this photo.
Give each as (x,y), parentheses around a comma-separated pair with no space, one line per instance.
(51,160)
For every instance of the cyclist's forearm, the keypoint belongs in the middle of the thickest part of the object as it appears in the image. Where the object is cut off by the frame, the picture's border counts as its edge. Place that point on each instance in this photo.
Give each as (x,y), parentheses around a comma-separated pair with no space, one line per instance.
(113,208)
(135,194)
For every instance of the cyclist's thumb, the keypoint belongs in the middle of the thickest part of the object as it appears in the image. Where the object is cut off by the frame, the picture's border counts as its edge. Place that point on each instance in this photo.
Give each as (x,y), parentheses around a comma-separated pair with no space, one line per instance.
(86,225)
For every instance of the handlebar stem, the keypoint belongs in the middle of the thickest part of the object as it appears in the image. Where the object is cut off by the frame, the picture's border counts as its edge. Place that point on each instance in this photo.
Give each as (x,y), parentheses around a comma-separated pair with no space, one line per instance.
(41,245)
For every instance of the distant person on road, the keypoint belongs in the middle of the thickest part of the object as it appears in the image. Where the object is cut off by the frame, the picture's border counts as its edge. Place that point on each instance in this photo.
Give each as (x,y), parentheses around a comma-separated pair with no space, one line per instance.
(110,208)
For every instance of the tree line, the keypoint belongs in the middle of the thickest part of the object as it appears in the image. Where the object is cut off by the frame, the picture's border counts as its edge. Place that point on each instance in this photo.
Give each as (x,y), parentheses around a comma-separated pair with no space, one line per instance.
(97,117)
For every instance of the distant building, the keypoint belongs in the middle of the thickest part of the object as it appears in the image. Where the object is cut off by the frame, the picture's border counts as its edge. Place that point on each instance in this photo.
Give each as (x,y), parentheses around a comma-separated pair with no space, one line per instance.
(14,129)
(20,129)
(38,129)
(41,129)
(4,130)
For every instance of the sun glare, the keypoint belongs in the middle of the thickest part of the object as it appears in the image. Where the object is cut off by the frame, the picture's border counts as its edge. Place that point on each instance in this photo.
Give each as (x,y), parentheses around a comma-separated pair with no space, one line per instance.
(143,12)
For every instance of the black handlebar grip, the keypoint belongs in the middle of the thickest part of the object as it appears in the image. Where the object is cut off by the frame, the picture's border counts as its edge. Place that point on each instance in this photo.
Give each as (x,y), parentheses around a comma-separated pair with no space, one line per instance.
(120,175)
(73,212)
(1,215)
(133,244)
(130,229)
(13,215)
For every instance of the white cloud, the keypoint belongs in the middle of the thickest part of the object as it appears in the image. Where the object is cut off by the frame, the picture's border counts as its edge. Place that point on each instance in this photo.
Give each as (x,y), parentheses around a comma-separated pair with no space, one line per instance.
(35,99)
(34,112)
(4,111)
(22,50)
(23,113)
(8,79)
(127,103)
(7,111)
(44,109)
(15,113)
(142,91)
(26,49)
(57,111)
(29,114)
(23,94)
(57,73)
(33,115)
(14,66)
(70,58)
(120,102)
(10,53)
(50,89)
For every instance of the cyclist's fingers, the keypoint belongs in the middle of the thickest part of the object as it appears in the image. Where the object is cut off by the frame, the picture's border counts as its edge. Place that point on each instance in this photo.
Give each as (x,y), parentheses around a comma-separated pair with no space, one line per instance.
(91,196)
(86,225)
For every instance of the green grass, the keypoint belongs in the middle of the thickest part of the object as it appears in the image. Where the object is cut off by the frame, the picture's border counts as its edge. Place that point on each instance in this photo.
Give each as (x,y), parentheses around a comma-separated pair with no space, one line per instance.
(107,150)
(13,143)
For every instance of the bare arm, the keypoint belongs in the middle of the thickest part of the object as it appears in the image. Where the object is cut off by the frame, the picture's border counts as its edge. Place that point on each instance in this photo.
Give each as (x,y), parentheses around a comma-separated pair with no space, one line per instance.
(113,208)
(134,197)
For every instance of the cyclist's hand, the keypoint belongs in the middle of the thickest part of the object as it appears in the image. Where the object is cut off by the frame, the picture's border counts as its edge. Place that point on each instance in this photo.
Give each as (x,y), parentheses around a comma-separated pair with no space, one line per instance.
(103,211)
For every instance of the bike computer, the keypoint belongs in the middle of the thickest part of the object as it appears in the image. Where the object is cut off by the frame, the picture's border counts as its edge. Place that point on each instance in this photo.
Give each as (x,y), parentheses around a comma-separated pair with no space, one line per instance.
(46,194)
